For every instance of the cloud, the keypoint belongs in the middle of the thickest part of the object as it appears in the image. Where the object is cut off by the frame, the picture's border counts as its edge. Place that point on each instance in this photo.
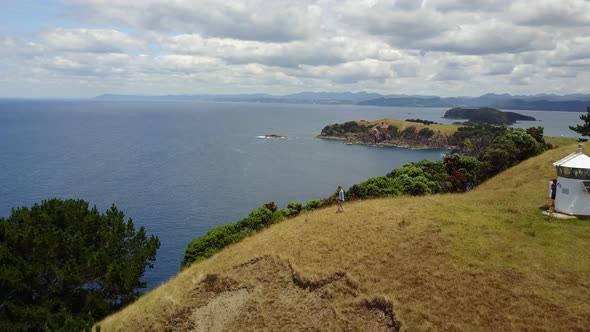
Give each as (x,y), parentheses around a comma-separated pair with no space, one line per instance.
(427,29)
(16,47)
(317,52)
(246,20)
(470,5)
(563,13)
(352,72)
(90,40)
(465,47)
(451,71)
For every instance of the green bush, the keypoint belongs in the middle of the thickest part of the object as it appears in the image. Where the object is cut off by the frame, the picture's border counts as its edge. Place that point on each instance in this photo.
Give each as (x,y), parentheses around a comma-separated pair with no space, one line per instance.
(294,208)
(426,132)
(393,131)
(220,237)
(409,132)
(313,204)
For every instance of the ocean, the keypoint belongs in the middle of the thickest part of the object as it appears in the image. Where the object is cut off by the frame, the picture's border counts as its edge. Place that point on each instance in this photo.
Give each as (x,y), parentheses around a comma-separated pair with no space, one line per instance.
(182,168)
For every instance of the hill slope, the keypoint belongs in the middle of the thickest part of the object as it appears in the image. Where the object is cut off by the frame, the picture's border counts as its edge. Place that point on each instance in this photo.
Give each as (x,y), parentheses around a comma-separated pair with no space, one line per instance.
(484,260)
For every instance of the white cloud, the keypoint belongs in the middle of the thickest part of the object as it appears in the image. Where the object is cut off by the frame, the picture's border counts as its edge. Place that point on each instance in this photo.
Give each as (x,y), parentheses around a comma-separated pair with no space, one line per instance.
(246,20)
(90,40)
(321,51)
(465,47)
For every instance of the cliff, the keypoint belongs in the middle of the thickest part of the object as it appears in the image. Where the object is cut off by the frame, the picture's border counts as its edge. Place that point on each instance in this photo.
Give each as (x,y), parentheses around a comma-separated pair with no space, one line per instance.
(393,133)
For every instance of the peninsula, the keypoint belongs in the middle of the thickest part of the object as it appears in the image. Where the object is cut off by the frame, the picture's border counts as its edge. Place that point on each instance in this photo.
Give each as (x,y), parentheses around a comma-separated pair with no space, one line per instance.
(487,115)
(391,132)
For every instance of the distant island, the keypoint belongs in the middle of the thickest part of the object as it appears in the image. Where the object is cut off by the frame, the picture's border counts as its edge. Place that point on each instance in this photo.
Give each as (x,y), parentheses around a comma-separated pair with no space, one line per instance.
(272,136)
(541,102)
(390,132)
(486,115)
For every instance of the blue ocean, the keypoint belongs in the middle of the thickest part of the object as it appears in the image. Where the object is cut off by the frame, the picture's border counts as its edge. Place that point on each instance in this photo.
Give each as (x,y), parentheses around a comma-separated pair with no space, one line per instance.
(182,168)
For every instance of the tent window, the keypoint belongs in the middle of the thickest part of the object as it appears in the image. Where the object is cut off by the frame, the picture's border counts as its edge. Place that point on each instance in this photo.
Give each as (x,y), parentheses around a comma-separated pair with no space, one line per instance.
(574,173)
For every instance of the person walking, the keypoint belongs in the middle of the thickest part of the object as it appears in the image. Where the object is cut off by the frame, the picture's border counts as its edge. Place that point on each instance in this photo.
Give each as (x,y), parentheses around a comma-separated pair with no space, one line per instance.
(340,199)
(553,193)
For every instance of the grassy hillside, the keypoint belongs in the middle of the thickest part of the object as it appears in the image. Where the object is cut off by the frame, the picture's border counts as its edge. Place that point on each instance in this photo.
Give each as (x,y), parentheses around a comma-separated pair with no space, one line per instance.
(447,129)
(484,260)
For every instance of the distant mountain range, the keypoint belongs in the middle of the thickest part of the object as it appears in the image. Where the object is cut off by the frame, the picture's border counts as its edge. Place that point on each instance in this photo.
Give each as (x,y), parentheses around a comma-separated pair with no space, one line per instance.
(544,102)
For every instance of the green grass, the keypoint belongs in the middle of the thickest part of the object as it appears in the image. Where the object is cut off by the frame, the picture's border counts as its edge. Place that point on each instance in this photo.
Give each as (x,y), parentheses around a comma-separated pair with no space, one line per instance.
(446,129)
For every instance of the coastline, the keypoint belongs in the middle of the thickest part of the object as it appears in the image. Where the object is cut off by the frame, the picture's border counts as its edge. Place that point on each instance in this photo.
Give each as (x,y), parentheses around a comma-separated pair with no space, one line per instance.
(353,141)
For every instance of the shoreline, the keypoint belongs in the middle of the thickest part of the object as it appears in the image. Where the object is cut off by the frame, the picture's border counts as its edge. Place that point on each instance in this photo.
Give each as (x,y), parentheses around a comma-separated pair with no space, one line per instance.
(348,141)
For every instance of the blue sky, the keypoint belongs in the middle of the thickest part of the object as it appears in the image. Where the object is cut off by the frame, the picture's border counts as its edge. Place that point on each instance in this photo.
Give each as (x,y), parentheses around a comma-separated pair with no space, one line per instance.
(82,48)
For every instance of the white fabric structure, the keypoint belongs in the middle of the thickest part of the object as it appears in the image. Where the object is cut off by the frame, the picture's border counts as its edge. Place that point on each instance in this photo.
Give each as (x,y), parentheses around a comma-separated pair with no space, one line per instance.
(573,184)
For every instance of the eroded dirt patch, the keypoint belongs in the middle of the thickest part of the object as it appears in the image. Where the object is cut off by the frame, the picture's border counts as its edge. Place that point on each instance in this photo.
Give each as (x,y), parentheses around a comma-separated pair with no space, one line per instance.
(268,294)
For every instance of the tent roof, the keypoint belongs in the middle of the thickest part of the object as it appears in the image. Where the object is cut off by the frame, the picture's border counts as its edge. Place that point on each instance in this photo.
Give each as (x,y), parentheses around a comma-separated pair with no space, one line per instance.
(575,160)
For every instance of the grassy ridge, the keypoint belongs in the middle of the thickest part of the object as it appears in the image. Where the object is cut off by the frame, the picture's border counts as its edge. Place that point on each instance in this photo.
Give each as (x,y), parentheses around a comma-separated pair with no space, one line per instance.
(486,259)
(447,129)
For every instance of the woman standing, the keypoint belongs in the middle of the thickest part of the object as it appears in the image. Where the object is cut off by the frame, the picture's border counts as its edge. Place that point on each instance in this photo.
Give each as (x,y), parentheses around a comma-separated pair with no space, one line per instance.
(340,199)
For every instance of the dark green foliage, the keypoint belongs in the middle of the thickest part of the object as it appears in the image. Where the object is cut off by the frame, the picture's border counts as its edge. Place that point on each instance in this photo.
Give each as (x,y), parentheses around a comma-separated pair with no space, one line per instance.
(507,150)
(464,171)
(65,265)
(344,128)
(393,131)
(256,220)
(421,178)
(272,206)
(583,129)
(374,187)
(294,208)
(537,134)
(220,237)
(473,139)
(409,132)
(425,133)
(313,204)
(426,122)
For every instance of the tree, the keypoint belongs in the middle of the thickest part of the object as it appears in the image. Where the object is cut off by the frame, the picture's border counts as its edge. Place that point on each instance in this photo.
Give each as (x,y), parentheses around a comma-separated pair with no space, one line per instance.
(583,129)
(65,265)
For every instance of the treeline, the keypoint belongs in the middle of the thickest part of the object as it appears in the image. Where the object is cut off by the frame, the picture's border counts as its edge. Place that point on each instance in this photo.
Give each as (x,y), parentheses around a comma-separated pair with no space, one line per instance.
(489,150)
(426,122)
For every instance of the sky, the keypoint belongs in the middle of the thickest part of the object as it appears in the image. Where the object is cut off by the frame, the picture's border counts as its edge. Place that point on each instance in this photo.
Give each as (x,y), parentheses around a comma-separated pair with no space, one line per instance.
(83,48)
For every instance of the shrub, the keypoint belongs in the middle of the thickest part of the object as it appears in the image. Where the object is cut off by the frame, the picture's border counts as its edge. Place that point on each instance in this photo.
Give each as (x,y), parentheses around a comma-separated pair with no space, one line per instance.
(313,204)
(426,132)
(409,132)
(220,237)
(294,208)
(393,131)
(272,206)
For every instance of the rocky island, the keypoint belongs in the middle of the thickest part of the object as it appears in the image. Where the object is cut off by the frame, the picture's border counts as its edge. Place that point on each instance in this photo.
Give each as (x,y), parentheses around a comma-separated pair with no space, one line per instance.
(486,115)
(272,136)
(391,132)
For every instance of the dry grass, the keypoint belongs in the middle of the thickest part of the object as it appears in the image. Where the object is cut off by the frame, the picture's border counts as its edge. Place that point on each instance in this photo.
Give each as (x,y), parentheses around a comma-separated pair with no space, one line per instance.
(447,129)
(484,260)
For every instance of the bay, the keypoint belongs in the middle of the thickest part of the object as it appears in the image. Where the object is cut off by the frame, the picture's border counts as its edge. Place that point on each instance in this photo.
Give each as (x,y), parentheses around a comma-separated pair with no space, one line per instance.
(182,168)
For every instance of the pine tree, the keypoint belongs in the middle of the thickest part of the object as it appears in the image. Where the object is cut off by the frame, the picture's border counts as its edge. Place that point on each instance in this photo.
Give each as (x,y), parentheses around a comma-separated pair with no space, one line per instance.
(583,129)
(65,265)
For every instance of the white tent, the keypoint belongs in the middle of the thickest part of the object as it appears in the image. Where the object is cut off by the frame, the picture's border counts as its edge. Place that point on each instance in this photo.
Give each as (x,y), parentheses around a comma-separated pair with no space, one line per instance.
(573,184)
